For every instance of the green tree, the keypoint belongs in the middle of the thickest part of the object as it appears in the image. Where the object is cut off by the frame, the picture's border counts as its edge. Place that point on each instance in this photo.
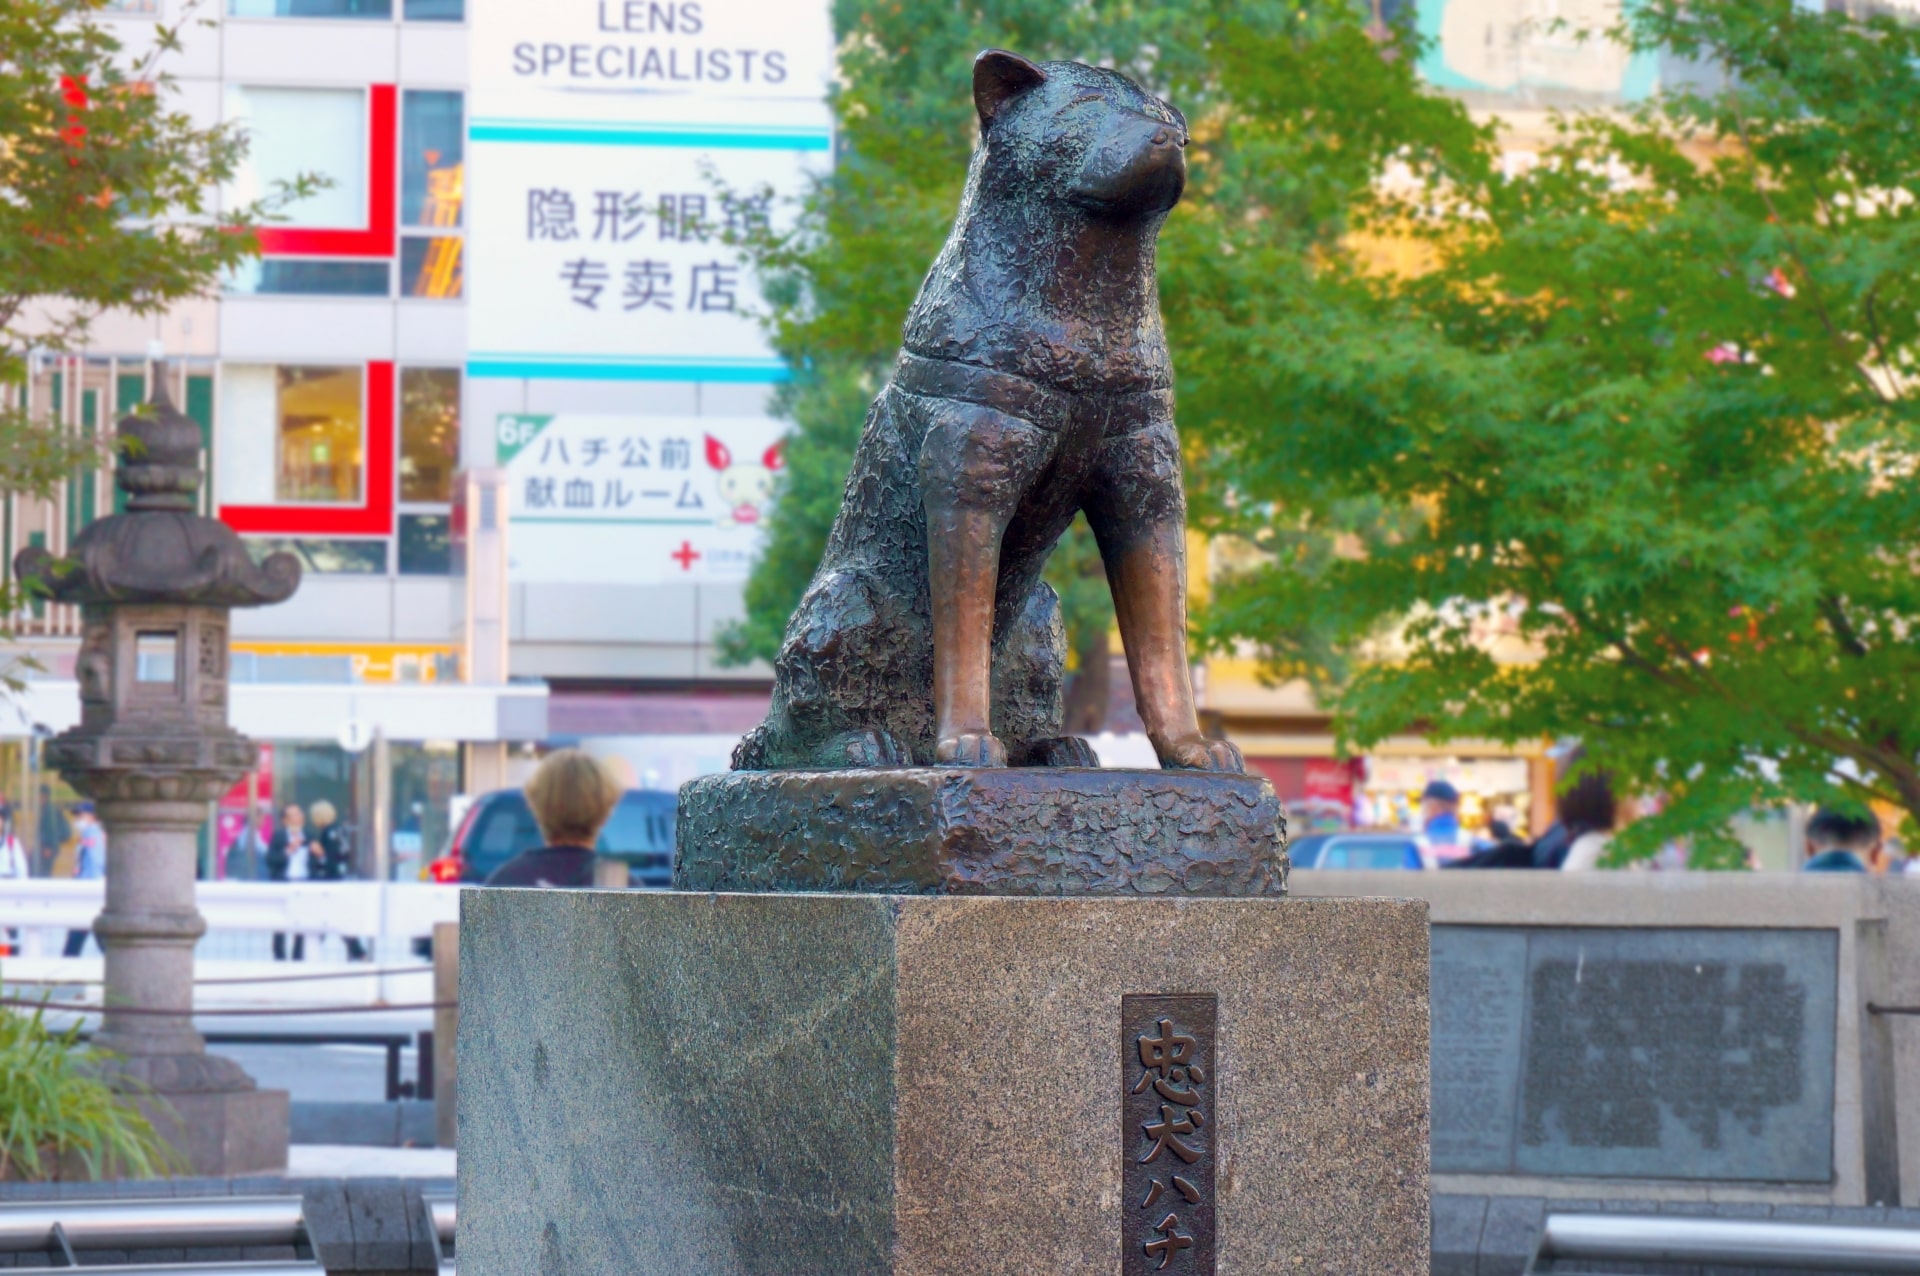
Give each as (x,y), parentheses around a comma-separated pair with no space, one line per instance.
(108,206)
(1294,110)
(1650,416)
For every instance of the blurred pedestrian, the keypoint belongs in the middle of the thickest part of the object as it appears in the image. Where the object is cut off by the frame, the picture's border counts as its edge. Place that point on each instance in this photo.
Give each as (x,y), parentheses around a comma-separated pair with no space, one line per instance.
(52,833)
(572,795)
(90,861)
(13,856)
(1440,821)
(13,864)
(1588,812)
(331,860)
(290,859)
(1841,842)
(247,857)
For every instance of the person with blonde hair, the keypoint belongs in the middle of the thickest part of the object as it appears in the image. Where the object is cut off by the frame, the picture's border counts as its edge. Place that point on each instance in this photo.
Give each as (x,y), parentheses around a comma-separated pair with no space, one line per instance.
(572,795)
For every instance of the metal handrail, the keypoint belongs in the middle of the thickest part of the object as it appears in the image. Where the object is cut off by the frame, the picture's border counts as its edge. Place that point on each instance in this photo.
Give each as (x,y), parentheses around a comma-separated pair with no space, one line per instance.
(158,1224)
(1733,1242)
(206,1269)
(176,1222)
(221,1269)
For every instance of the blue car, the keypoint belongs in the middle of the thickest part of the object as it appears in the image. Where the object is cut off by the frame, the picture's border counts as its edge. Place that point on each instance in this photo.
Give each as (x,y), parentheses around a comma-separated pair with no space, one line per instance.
(1356,850)
(500,825)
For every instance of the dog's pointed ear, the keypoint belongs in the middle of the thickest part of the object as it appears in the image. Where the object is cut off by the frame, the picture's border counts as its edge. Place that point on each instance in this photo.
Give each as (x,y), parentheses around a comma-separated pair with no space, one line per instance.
(998,78)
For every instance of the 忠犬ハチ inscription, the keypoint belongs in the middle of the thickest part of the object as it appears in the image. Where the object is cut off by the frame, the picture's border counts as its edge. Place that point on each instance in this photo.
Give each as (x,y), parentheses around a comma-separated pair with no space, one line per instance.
(1650,1053)
(1168,1133)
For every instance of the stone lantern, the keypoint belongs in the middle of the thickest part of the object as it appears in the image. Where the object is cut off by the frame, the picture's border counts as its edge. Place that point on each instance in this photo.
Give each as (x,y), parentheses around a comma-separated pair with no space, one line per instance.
(153,748)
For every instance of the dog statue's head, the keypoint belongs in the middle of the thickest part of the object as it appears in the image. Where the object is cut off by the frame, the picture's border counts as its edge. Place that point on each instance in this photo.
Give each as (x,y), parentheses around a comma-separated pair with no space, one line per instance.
(1083,135)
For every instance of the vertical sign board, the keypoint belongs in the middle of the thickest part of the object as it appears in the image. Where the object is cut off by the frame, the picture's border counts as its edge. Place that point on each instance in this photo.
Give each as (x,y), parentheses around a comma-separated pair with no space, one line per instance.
(615,145)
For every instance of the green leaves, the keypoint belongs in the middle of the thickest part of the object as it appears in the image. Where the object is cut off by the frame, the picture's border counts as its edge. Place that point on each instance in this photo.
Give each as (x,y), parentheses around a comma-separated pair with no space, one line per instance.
(57,1113)
(1650,406)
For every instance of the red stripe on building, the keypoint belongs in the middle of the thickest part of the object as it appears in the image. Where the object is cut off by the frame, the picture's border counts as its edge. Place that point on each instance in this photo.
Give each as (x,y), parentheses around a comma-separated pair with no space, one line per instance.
(383,178)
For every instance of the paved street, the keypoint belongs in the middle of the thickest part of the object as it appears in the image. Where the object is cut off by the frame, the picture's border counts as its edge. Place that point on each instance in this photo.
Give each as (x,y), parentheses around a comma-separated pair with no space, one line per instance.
(321,1073)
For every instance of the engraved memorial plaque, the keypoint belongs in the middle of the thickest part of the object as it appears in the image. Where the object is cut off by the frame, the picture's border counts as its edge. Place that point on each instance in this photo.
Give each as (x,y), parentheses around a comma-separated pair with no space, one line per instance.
(1666,1053)
(1169,1105)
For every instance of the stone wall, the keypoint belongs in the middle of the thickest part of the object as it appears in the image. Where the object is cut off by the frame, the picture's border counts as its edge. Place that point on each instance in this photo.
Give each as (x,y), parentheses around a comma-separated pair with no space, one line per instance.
(1768,923)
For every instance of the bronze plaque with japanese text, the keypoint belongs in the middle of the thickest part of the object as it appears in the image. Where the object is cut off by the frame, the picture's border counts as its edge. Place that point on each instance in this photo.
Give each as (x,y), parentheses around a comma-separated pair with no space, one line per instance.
(1170,1100)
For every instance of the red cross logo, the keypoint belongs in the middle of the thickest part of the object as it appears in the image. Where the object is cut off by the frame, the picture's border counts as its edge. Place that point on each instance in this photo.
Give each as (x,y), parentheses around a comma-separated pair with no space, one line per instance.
(685,555)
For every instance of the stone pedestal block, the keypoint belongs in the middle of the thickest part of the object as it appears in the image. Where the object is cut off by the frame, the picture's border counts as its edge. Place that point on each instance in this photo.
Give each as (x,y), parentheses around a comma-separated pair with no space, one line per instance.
(227,1132)
(982,831)
(658,1083)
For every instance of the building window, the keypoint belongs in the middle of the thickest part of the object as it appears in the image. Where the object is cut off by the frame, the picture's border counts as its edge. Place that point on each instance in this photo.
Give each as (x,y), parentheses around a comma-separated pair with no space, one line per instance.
(429,433)
(311,277)
(426,549)
(325,557)
(295,131)
(432,190)
(436,10)
(291,434)
(310,8)
(433,154)
(432,266)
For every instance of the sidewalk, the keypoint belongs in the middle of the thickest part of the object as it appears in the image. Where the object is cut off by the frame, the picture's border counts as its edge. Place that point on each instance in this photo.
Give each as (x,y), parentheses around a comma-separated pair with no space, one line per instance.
(343,1160)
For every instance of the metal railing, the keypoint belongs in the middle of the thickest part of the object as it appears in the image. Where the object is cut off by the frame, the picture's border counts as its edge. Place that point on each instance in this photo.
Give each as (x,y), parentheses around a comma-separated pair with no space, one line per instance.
(65,1227)
(1639,1238)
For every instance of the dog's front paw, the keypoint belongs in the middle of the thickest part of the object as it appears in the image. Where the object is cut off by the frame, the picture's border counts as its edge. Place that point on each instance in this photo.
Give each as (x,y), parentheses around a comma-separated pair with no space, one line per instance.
(1197,753)
(970,748)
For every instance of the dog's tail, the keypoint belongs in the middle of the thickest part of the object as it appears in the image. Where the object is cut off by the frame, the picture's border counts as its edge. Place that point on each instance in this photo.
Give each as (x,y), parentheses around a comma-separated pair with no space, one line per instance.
(751,753)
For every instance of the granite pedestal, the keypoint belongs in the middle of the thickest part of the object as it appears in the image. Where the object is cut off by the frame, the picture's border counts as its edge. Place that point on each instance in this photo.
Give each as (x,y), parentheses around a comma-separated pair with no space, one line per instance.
(712,1084)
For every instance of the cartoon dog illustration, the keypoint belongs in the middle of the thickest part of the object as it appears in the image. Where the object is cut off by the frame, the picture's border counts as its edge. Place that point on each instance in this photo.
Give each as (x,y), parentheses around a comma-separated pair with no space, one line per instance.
(745,488)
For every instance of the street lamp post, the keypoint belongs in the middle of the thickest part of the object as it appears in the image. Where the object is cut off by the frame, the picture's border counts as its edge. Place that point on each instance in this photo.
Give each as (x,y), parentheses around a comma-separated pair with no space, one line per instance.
(155,585)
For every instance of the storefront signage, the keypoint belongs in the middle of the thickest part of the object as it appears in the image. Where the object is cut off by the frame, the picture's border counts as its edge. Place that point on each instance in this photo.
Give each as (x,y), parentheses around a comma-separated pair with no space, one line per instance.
(366,662)
(635,500)
(620,150)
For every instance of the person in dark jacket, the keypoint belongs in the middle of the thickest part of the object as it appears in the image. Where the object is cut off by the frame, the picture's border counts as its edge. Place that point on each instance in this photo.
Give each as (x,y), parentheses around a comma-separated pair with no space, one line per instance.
(1840,842)
(290,857)
(332,863)
(572,795)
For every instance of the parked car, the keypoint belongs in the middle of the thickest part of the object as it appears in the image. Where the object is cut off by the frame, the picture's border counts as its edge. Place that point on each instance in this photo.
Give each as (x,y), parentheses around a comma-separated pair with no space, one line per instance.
(1356,850)
(499,825)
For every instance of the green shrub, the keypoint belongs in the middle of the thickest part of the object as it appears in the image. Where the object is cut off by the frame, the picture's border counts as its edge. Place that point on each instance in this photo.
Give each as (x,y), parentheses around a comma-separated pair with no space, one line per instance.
(58,1115)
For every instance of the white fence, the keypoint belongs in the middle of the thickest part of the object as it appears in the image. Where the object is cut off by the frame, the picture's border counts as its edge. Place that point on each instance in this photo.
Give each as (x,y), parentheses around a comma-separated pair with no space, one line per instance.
(392,914)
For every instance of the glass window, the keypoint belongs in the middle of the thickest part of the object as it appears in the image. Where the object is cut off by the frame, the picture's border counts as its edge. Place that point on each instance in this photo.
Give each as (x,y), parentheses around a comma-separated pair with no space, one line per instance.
(320,452)
(324,557)
(295,131)
(425,778)
(432,171)
(429,433)
(325,277)
(432,265)
(310,8)
(436,10)
(289,434)
(425,547)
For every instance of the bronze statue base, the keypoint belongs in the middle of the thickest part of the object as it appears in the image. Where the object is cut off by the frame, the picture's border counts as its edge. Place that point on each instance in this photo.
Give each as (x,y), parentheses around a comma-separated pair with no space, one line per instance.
(982,831)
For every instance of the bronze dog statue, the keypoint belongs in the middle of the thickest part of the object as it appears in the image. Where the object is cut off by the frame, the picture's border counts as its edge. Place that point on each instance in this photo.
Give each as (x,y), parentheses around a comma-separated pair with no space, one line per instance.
(1034,383)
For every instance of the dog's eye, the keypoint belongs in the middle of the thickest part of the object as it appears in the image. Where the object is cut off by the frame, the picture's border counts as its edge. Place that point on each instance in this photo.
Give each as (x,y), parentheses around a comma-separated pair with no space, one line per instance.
(1090,96)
